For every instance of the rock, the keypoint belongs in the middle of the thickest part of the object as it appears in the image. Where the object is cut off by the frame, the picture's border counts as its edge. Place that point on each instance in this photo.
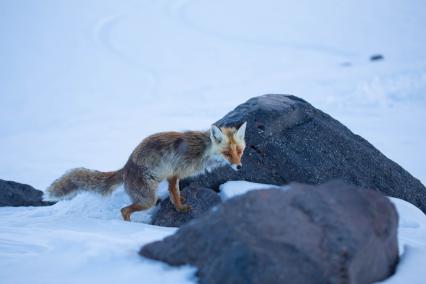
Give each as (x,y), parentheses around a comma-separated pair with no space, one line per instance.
(332,233)
(201,200)
(18,194)
(376,57)
(288,140)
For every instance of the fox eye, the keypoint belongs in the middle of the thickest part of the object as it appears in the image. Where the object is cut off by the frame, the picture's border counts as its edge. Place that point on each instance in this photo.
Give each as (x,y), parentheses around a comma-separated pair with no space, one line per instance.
(227,154)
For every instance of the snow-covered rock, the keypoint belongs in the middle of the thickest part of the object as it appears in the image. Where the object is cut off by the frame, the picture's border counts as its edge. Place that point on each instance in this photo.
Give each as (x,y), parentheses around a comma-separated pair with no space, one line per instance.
(18,194)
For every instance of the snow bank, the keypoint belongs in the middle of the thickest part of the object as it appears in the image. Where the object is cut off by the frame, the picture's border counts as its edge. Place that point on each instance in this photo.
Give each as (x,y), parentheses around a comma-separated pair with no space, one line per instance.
(412,244)
(93,205)
(82,240)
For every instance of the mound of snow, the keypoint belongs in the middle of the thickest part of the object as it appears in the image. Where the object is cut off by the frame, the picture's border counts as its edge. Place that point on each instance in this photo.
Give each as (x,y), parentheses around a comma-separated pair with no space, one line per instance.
(96,206)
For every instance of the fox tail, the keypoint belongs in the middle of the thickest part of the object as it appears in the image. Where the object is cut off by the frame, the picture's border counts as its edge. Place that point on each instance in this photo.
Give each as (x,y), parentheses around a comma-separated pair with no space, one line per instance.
(81,179)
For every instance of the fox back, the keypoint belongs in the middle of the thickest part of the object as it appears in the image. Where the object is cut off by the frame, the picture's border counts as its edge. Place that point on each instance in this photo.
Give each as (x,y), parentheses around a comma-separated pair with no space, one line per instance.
(183,154)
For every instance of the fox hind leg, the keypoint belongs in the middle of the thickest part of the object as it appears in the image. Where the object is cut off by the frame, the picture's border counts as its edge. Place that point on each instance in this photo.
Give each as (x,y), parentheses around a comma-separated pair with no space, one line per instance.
(175,197)
(128,210)
(142,192)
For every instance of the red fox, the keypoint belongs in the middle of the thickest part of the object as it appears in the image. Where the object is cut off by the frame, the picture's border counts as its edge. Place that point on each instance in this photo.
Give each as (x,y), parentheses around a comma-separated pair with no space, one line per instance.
(161,156)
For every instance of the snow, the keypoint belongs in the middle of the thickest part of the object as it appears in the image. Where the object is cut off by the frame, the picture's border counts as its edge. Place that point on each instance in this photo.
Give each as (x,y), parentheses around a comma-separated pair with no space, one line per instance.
(94,206)
(83,240)
(233,188)
(412,244)
(82,82)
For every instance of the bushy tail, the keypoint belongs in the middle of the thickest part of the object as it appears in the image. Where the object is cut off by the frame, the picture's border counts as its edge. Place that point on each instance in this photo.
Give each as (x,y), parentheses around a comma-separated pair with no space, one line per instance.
(82,179)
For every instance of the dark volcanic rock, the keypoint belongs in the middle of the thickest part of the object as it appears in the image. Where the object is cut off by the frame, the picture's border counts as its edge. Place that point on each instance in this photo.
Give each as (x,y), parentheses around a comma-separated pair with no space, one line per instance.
(332,233)
(376,57)
(290,140)
(201,199)
(18,194)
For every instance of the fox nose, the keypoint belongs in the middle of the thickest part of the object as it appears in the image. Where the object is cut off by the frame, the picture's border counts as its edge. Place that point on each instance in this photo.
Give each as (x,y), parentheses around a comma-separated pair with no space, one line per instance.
(236,167)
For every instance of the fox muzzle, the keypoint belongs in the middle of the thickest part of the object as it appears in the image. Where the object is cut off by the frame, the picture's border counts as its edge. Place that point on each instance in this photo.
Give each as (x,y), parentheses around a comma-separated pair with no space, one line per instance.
(236,167)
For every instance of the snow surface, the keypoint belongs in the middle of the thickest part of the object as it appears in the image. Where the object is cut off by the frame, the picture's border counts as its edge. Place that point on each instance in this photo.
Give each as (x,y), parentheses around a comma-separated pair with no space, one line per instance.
(83,81)
(412,244)
(63,244)
(233,188)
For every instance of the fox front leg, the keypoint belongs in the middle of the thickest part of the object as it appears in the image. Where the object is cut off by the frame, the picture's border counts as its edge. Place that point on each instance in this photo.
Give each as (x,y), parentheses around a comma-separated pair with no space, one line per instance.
(175,197)
(172,200)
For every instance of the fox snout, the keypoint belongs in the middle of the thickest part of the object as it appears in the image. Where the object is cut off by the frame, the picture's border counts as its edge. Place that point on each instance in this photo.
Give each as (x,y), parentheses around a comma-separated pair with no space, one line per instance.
(236,167)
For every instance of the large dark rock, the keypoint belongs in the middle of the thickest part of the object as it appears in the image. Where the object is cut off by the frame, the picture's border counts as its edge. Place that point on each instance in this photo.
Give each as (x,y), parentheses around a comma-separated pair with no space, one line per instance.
(332,233)
(18,194)
(290,140)
(201,199)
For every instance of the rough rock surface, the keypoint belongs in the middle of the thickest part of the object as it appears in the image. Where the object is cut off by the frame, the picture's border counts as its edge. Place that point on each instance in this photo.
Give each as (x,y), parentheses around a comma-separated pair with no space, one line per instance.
(201,199)
(332,233)
(18,194)
(288,140)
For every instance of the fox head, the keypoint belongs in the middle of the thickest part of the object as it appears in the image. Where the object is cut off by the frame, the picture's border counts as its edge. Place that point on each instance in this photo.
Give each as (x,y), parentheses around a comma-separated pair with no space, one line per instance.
(229,144)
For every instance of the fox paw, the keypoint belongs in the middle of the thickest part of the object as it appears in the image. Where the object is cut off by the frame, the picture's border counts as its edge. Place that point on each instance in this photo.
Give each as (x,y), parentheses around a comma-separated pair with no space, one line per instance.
(182,200)
(184,208)
(126,214)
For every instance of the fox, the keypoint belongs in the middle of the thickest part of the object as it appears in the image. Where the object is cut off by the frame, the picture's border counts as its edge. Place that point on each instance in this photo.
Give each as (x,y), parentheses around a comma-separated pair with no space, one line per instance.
(169,156)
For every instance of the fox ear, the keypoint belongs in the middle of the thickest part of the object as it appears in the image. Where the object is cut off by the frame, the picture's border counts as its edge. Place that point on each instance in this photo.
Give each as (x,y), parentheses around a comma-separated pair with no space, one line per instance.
(216,134)
(241,131)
